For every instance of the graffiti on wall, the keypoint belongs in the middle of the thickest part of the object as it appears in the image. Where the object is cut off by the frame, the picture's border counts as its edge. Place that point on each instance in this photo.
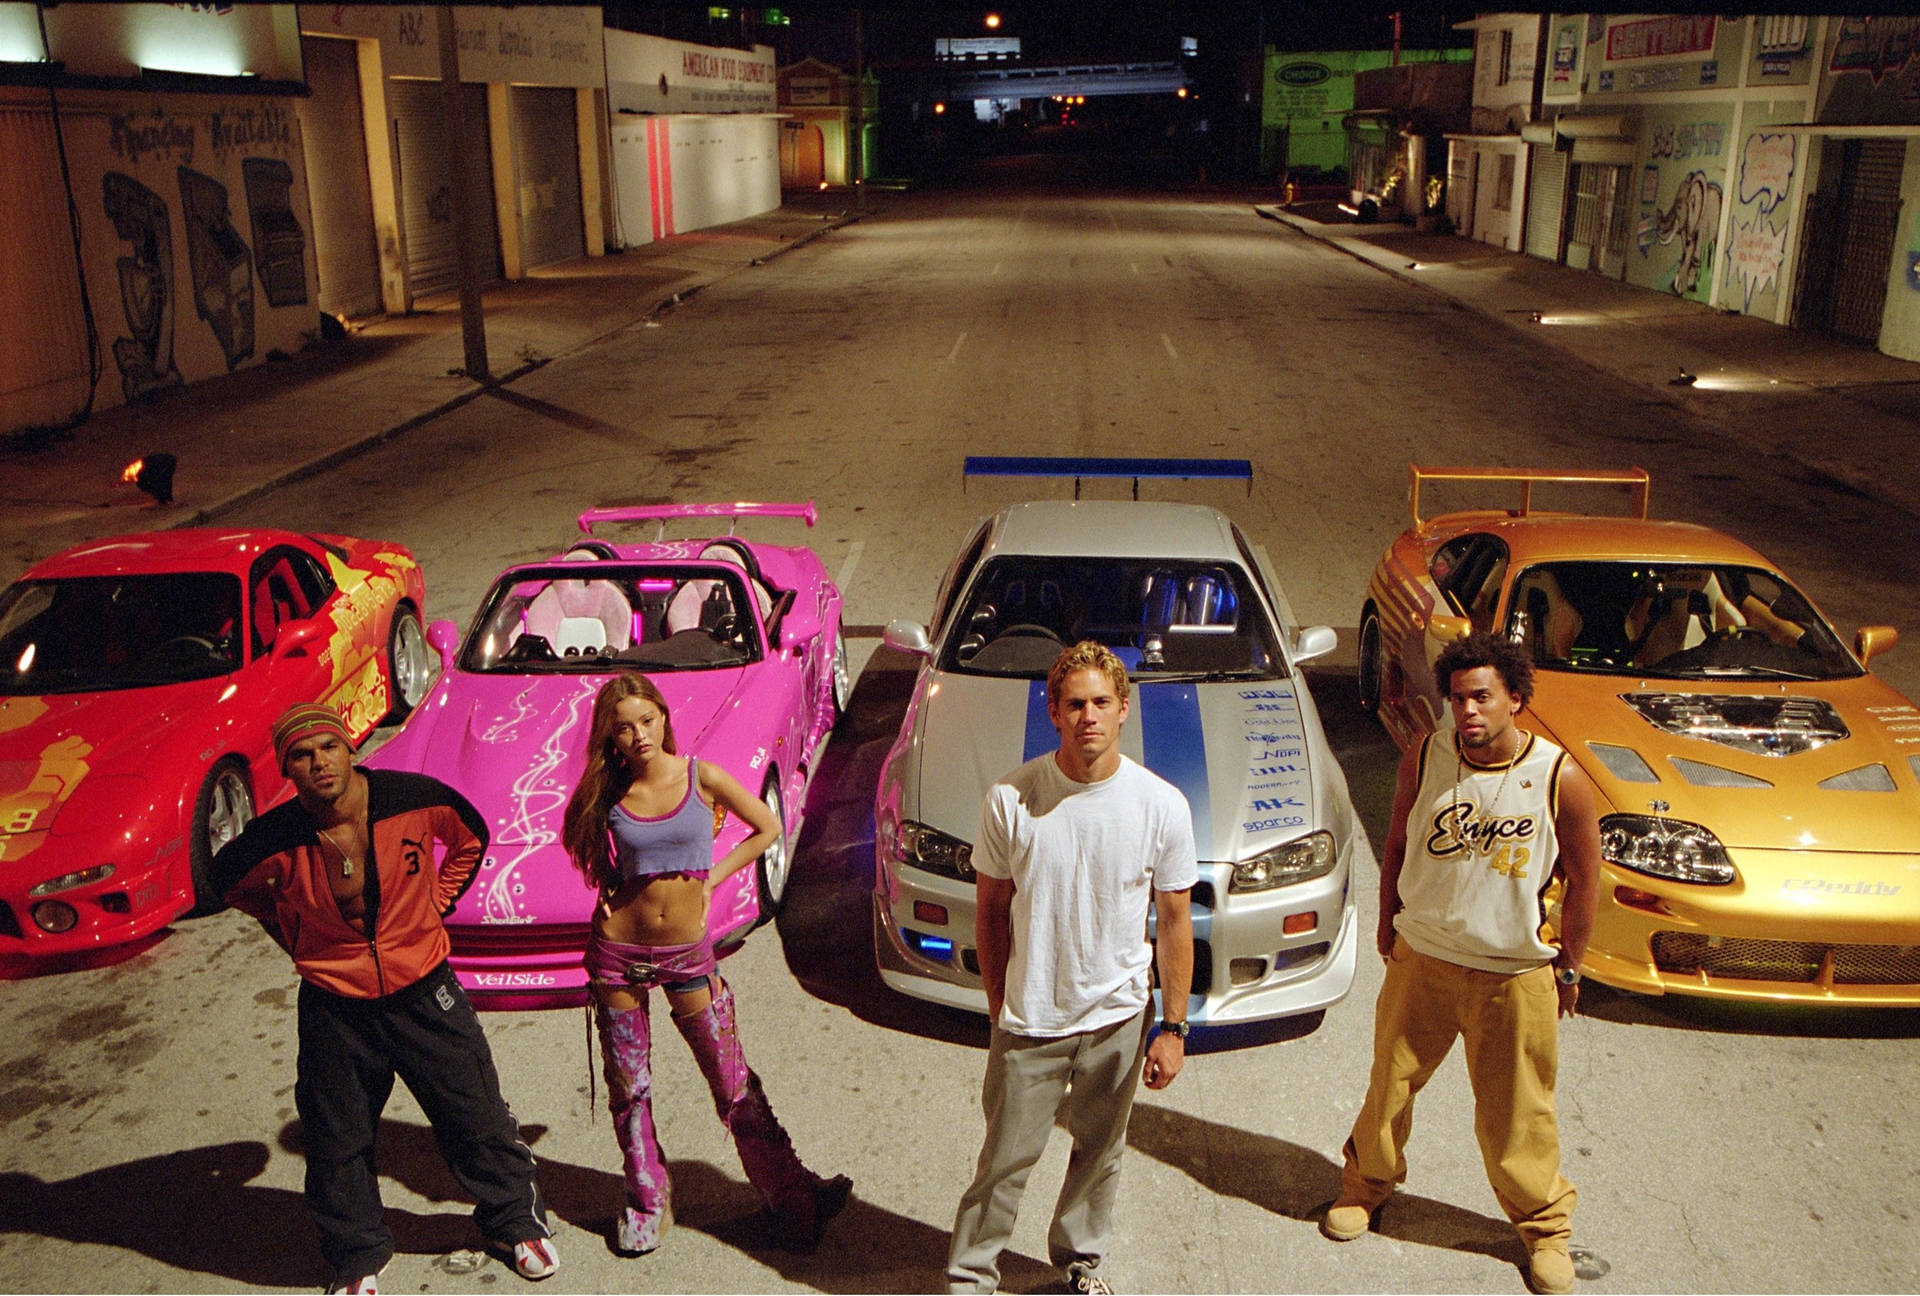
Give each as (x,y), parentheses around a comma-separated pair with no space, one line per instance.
(220,264)
(218,260)
(1691,220)
(140,218)
(1759,245)
(1877,47)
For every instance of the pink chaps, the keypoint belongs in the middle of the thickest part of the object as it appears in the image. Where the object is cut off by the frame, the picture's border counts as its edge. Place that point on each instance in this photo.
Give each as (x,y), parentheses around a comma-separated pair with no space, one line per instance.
(786,1187)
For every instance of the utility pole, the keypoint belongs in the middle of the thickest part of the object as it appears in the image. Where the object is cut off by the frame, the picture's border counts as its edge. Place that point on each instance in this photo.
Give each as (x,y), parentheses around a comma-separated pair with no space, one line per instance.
(859,111)
(473,323)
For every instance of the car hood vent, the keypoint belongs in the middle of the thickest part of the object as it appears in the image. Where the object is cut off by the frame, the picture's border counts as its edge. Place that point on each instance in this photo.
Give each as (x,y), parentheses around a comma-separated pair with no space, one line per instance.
(1765,726)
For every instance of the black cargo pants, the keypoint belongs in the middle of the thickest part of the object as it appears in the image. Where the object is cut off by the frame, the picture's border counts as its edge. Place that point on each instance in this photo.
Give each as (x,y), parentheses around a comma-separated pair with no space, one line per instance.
(428,1035)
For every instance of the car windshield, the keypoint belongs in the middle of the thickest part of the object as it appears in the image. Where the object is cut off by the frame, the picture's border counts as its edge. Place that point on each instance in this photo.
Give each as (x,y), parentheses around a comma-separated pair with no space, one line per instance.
(1672,621)
(560,619)
(93,634)
(1164,618)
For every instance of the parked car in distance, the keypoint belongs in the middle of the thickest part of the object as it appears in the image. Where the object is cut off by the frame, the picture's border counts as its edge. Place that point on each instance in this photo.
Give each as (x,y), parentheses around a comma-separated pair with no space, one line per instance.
(743,639)
(1759,787)
(140,677)
(1219,709)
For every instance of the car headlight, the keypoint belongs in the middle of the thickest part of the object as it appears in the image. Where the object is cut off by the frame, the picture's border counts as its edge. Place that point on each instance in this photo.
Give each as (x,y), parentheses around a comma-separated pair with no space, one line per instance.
(1665,848)
(932,850)
(68,881)
(1310,857)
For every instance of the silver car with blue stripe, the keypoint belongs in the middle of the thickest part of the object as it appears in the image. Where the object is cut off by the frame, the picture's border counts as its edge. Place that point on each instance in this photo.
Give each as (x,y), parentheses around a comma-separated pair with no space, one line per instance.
(1219,710)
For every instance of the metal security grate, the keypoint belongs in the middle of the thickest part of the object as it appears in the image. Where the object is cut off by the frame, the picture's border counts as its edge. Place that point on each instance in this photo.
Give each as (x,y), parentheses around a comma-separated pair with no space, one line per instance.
(1742,959)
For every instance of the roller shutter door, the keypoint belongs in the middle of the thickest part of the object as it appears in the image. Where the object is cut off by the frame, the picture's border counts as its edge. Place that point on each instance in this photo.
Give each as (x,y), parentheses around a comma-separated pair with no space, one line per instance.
(335,141)
(1870,224)
(1546,199)
(546,164)
(426,181)
(46,356)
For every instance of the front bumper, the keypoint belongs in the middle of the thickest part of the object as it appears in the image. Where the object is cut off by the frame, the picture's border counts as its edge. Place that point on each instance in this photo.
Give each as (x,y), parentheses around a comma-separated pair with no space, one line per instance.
(1246,967)
(125,907)
(1797,926)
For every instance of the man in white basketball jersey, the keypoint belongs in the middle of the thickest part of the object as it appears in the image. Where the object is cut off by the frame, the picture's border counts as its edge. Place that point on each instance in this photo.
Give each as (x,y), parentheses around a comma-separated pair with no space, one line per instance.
(1483,820)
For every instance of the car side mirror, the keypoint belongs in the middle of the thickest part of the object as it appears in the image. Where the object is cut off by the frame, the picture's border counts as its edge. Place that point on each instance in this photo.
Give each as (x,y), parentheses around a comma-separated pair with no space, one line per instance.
(906,636)
(1447,629)
(297,640)
(1312,642)
(444,636)
(1873,640)
(799,625)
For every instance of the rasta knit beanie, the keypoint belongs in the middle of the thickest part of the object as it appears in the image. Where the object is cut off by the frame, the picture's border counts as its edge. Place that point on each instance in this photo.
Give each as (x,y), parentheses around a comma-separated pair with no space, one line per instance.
(304,721)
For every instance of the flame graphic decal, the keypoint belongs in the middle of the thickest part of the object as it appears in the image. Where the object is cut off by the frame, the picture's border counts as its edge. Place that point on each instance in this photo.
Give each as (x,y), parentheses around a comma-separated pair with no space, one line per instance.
(532,800)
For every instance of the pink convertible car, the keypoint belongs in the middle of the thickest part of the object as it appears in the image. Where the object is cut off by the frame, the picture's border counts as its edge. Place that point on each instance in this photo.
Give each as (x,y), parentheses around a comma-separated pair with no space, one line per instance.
(744,640)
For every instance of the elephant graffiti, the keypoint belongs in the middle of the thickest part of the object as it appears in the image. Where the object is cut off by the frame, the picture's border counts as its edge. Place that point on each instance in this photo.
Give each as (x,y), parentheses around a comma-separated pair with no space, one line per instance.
(221,265)
(1694,220)
(139,216)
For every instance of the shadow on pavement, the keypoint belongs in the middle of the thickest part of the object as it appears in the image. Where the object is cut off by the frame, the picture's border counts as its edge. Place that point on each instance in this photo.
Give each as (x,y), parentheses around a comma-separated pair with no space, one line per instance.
(1299,1183)
(1723,1017)
(826,926)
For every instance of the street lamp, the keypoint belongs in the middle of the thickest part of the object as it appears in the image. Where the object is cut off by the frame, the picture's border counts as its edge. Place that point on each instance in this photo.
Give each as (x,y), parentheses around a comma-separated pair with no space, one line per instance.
(993,22)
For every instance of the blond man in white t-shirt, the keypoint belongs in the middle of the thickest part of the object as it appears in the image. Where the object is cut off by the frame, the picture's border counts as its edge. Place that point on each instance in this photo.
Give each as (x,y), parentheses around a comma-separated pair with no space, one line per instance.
(1073,847)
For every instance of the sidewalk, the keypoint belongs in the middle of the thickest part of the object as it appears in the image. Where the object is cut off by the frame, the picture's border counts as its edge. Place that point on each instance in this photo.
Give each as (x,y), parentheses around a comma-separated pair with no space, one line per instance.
(1849,414)
(238,436)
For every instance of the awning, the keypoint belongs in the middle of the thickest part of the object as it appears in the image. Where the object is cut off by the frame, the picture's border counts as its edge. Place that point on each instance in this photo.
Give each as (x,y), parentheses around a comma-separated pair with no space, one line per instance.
(1595,126)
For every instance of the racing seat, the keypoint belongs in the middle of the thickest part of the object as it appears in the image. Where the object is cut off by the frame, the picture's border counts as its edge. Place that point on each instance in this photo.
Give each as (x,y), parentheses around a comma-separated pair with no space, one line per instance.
(581,616)
(1555,623)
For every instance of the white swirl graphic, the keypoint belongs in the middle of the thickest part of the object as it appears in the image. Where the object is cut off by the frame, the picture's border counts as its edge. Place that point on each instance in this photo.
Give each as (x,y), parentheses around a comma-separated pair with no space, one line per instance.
(532,800)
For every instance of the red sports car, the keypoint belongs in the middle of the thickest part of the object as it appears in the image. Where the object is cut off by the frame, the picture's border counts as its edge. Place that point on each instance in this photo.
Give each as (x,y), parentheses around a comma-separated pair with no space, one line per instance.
(139,677)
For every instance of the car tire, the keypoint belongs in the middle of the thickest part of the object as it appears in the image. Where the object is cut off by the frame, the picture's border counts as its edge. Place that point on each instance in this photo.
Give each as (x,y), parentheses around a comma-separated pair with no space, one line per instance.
(842,674)
(408,669)
(223,807)
(1373,662)
(774,869)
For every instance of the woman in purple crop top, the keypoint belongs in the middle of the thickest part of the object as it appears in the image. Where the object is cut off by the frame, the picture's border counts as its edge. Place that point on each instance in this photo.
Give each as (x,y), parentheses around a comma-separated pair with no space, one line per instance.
(640,827)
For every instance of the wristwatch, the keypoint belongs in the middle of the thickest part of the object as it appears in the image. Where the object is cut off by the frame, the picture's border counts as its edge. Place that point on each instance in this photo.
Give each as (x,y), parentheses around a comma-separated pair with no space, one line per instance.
(1180,1028)
(1566,976)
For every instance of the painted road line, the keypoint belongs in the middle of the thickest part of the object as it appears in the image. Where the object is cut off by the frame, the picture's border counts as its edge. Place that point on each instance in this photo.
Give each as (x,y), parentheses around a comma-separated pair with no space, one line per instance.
(956,346)
(847,567)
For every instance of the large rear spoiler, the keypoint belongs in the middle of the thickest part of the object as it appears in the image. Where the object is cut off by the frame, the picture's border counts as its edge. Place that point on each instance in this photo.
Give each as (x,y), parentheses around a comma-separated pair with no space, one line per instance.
(662,513)
(1635,479)
(1094,466)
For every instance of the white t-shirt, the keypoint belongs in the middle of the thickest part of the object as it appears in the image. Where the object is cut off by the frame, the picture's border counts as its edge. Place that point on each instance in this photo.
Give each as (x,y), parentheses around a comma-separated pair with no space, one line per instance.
(1084,859)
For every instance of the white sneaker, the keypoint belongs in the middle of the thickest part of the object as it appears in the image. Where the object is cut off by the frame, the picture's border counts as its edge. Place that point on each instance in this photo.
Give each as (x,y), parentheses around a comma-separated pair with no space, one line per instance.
(535,1259)
(367,1286)
(1083,1279)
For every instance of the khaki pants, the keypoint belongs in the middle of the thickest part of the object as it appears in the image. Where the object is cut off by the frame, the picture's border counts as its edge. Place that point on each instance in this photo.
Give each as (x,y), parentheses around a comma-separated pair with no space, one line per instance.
(1087,1081)
(1511,1030)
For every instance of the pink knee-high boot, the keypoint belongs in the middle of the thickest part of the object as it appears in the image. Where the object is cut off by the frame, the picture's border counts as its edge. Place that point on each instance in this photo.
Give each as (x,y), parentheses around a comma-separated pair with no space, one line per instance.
(625,1045)
(800,1201)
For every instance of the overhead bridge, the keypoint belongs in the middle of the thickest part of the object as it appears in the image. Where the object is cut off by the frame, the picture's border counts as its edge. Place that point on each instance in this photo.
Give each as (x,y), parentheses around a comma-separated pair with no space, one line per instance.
(1043,81)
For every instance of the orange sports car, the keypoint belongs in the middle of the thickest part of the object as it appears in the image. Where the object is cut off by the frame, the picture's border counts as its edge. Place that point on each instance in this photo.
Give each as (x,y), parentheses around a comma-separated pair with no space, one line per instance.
(1759,787)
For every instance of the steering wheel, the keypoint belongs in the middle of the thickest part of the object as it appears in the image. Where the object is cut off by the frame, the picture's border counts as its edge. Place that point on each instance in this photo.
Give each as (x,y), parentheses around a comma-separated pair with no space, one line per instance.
(1028,630)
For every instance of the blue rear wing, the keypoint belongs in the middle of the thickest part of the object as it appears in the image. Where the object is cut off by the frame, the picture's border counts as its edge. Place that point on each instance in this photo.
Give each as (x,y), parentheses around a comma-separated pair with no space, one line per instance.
(1080,467)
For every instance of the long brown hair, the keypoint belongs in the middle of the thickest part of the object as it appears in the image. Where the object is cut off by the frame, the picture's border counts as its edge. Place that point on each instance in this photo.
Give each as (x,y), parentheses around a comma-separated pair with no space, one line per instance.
(606,777)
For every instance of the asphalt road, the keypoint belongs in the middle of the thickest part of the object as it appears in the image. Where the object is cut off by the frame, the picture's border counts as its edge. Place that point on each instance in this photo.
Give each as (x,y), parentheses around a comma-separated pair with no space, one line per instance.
(147,1132)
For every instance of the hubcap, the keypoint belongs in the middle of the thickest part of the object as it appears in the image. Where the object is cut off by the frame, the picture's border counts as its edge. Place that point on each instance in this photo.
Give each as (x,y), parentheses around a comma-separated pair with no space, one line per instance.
(228,810)
(775,859)
(409,661)
(842,676)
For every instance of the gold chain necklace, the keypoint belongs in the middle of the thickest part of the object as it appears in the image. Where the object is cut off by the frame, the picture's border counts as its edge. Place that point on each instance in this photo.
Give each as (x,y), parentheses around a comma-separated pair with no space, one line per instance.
(346,860)
(1459,769)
